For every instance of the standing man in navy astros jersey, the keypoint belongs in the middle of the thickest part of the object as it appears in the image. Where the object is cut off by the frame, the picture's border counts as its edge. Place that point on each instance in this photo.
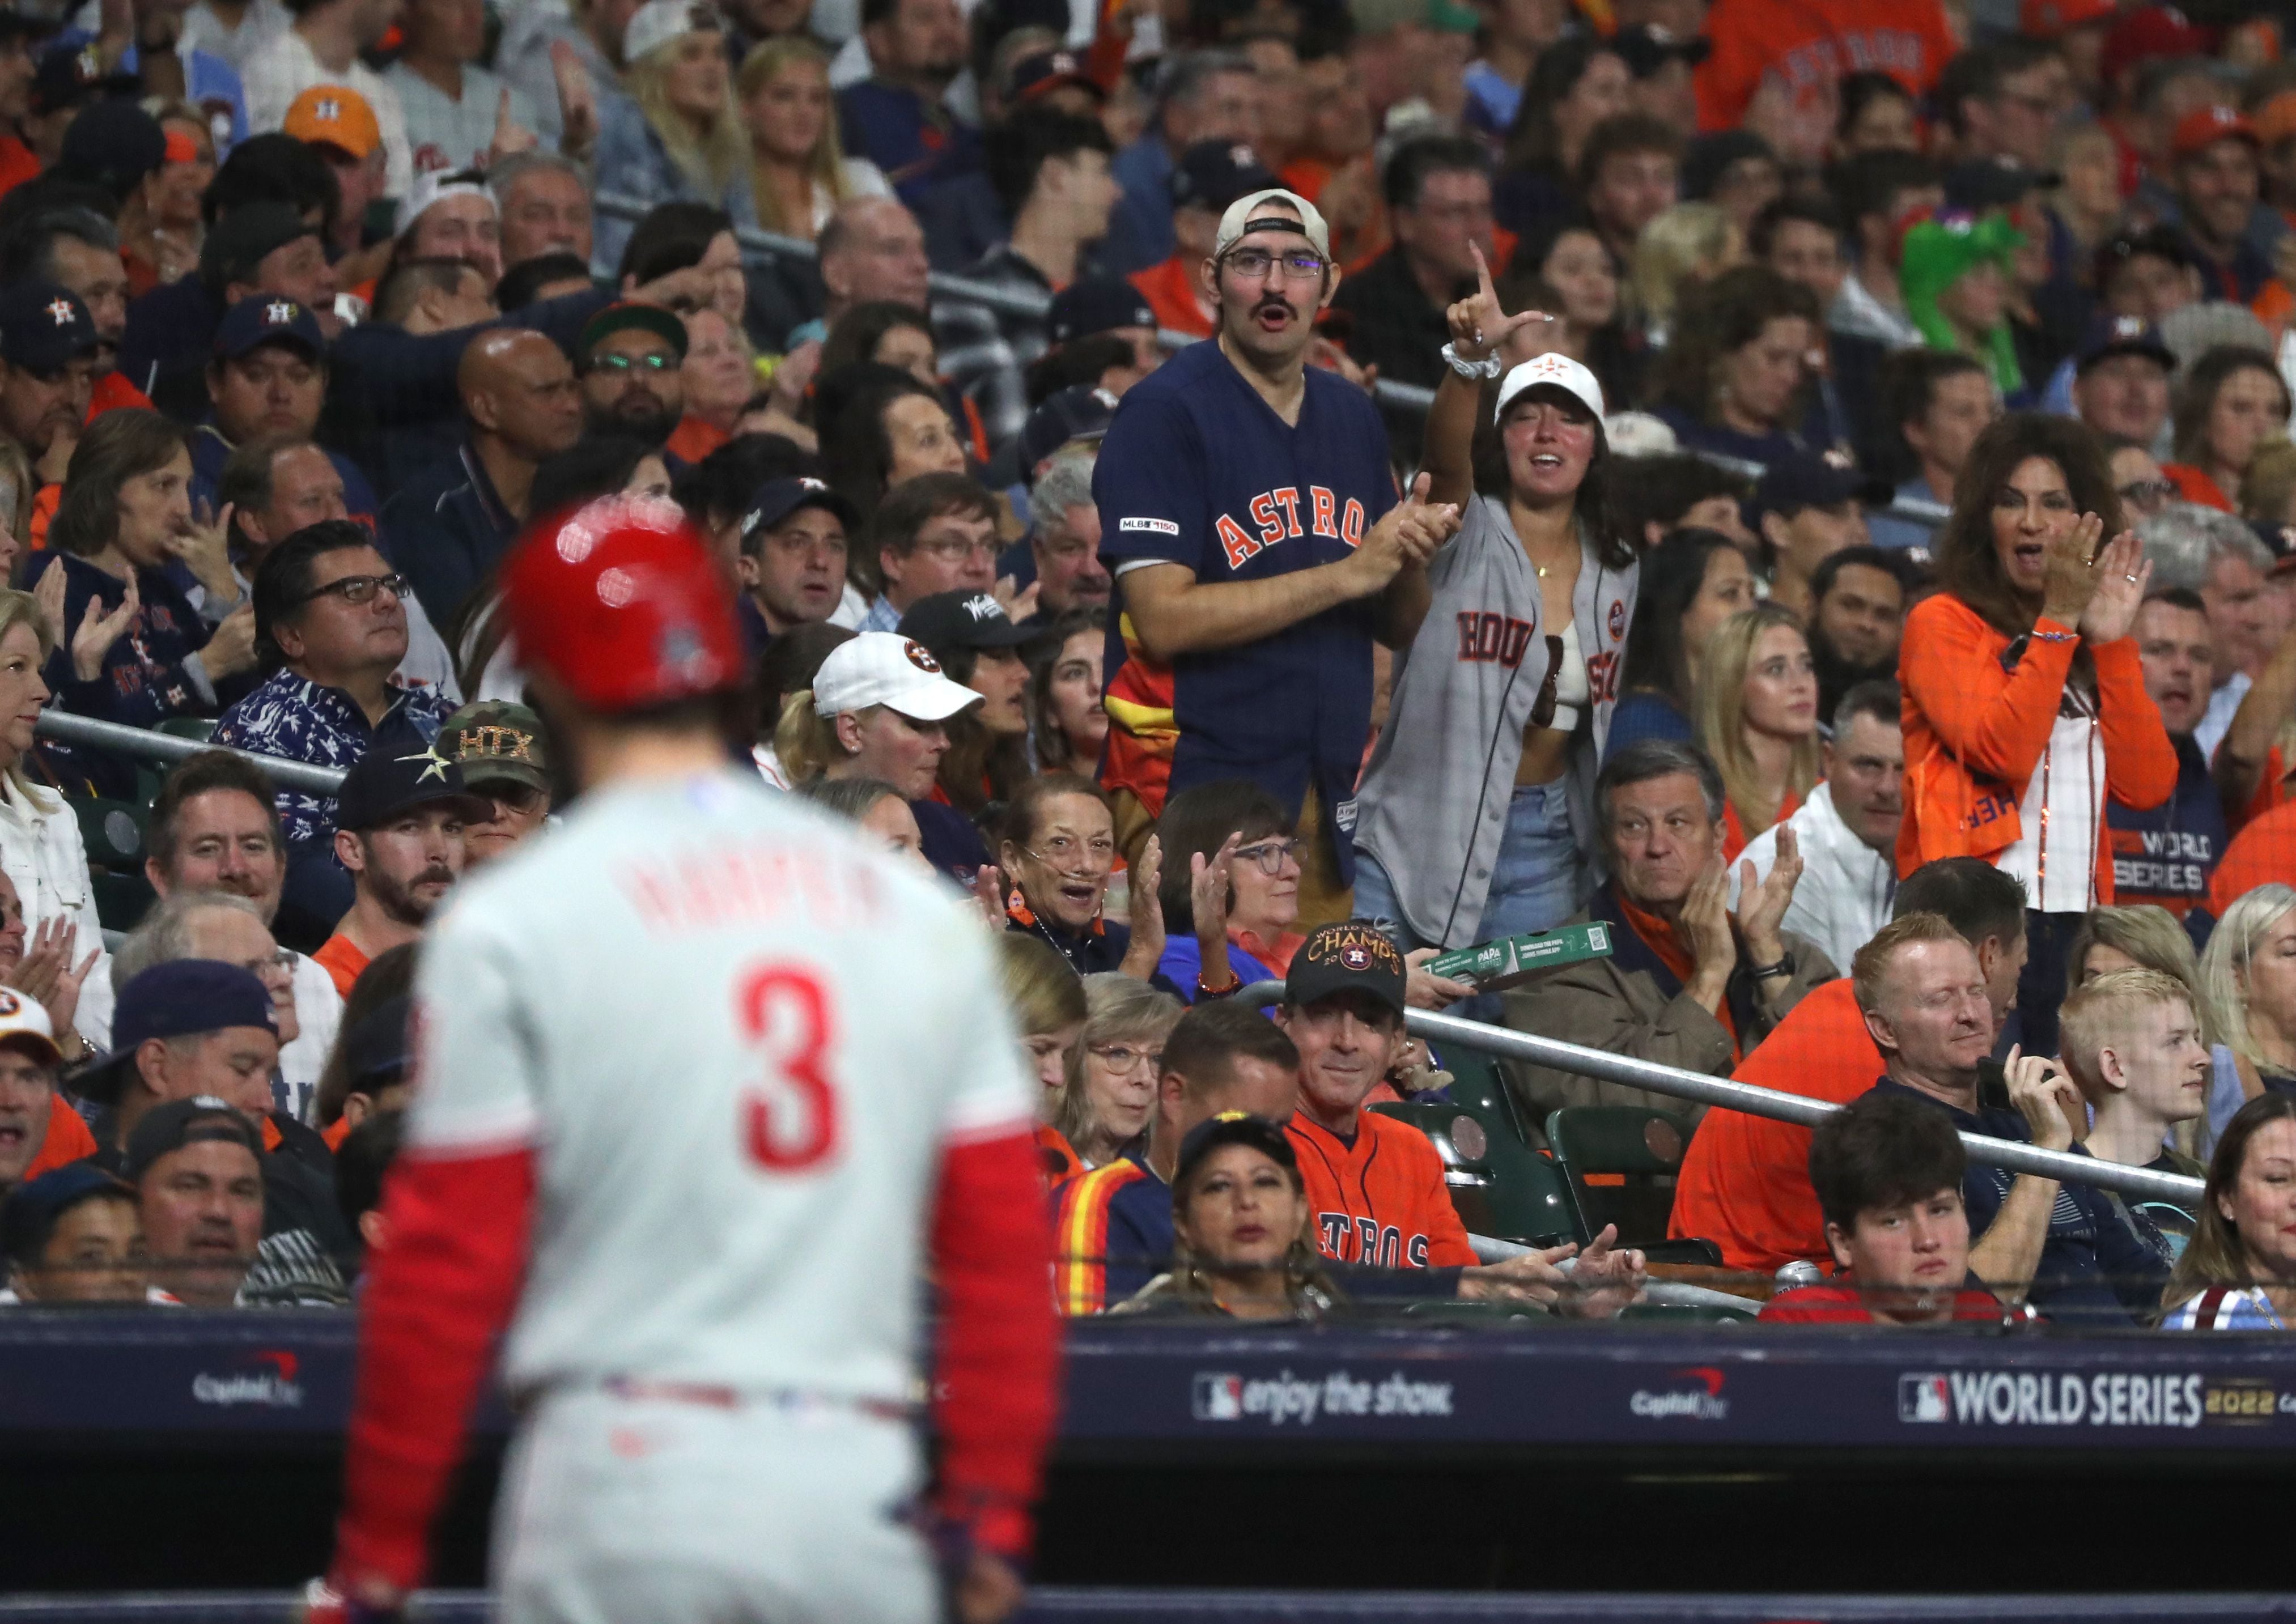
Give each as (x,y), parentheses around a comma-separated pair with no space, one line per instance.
(1249,519)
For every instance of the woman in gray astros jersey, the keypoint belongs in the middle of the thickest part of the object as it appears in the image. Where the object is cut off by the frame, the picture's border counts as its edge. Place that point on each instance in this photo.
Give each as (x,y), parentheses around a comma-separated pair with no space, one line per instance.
(1476,816)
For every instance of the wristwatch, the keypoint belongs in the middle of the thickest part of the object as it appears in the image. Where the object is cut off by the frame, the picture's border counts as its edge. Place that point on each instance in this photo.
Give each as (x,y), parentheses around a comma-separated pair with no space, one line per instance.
(1771,972)
(1489,366)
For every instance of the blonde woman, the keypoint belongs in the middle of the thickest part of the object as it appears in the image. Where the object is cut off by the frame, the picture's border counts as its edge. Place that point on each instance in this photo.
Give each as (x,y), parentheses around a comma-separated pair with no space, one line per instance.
(40,849)
(799,174)
(1113,1068)
(1758,719)
(1046,1000)
(2248,978)
(676,136)
(1688,244)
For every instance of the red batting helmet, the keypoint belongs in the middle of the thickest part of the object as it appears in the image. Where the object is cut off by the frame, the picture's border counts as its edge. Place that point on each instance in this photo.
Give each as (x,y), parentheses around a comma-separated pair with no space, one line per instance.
(620,602)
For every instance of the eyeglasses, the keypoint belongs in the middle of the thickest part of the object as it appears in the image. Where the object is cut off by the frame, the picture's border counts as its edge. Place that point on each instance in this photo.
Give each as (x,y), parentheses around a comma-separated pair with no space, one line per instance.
(950,549)
(279,963)
(2147,493)
(357,589)
(1270,855)
(517,799)
(1299,264)
(653,361)
(1121,1057)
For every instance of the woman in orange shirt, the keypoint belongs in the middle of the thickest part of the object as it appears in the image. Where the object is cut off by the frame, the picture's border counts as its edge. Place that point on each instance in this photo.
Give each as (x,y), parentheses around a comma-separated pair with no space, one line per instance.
(1758,719)
(2024,699)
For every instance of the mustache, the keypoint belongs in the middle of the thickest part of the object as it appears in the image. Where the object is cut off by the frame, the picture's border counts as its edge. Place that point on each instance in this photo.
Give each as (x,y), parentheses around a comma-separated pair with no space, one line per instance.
(437,873)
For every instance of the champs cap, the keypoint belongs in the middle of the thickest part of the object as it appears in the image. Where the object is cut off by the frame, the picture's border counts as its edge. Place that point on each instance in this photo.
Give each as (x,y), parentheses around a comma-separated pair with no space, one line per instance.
(41,326)
(436,186)
(1245,214)
(1346,958)
(496,741)
(886,668)
(629,315)
(181,1122)
(947,620)
(772,504)
(384,784)
(2123,335)
(335,115)
(1234,1127)
(265,318)
(176,999)
(1550,370)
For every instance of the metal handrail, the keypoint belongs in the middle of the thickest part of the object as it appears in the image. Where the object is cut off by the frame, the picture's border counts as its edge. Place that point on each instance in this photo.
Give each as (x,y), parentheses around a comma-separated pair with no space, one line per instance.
(90,734)
(1013,301)
(1758,1101)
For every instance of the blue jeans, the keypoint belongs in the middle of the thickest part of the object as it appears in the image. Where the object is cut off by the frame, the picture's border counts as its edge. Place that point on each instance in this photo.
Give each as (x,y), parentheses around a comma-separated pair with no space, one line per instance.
(1534,884)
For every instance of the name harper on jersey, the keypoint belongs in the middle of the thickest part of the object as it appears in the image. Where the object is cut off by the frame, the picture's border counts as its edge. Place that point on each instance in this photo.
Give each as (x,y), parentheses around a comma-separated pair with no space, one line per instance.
(707,887)
(1278,513)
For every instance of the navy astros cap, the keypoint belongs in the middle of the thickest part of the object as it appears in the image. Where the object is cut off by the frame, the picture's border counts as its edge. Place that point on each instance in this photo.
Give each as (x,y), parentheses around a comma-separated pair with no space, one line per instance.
(41,326)
(1095,304)
(1213,174)
(269,319)
(1082,411)
(773,503)
(2123,335)
(37,1206)
(387,782)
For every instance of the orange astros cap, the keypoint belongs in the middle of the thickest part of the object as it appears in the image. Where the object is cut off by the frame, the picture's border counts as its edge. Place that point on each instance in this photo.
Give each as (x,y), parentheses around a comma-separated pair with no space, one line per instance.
(337,116)
(2206,126)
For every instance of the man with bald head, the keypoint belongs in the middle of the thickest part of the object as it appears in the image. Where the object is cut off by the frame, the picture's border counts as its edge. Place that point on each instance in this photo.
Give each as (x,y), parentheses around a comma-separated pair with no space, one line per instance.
(521,403)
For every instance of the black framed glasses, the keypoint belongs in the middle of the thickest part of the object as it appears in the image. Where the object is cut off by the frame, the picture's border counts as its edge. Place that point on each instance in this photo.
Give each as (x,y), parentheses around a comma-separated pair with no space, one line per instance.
(357,589)
(1299,264)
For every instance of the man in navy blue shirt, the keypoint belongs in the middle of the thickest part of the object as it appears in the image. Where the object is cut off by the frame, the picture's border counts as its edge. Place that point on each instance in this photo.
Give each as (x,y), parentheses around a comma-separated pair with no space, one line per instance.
(2168,855)
(1250,521)
(2069,1249)
(895,117)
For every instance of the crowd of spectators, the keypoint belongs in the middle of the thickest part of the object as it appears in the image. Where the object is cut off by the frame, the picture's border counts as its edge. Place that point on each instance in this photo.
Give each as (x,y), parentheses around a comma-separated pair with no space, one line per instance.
(1247,495)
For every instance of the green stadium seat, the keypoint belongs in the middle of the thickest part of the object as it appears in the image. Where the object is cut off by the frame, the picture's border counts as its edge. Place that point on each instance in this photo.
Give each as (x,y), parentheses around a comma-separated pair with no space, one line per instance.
(1619,1164)
(1498,1187)
(1475,1082)
(112,831)
(199,727)
(121,900)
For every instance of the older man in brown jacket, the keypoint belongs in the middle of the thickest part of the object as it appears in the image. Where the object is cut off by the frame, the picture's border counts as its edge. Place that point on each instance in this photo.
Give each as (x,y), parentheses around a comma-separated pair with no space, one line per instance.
(1687,984)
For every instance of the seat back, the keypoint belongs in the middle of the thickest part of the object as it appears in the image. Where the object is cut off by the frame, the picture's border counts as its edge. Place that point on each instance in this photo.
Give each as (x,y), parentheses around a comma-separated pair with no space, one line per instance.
(1497,1187)
(113,832)
(1475,1082)
(1618,1163)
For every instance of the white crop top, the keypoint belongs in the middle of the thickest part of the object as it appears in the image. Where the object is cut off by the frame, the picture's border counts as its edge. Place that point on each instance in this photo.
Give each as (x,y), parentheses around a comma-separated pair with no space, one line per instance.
(1570,682)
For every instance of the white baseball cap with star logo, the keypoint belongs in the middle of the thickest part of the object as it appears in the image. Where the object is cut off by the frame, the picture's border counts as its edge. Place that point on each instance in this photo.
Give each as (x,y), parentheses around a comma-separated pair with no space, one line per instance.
(1556,371)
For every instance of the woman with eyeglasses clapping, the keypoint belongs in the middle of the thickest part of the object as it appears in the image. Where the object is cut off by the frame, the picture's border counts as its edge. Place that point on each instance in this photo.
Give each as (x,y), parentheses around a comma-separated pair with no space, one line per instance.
(1230,890)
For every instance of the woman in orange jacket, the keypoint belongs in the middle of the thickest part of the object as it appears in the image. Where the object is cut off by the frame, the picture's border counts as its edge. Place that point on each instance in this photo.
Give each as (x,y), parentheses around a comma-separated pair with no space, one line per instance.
(2024,701)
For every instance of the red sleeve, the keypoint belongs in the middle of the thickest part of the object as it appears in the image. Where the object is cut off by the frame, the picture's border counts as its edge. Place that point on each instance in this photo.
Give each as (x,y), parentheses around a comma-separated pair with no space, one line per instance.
(436,1298)
(998,1364)
(1995,723)
(2140,763)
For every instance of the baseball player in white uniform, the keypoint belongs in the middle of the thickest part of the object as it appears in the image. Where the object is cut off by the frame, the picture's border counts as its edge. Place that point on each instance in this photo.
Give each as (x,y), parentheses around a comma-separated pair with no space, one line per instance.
(699,1079)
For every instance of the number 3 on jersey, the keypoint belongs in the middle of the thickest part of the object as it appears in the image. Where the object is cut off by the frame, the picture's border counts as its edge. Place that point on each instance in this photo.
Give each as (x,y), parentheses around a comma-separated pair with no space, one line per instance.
(789,1118)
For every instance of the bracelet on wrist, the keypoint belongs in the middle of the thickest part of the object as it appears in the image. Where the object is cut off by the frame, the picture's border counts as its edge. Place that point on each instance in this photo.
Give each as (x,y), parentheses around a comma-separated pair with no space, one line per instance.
(1489,366)
(1203,990)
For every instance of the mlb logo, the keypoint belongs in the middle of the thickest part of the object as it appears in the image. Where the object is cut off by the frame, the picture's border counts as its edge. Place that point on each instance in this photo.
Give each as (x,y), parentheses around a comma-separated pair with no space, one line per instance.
(1219,1397)
(1922,1398)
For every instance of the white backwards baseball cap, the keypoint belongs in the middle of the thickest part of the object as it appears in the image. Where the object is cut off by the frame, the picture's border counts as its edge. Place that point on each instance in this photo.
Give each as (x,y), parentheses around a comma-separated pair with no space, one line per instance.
(657,22)
(436,186)
(886,668)
(1238,219)
(1558,371)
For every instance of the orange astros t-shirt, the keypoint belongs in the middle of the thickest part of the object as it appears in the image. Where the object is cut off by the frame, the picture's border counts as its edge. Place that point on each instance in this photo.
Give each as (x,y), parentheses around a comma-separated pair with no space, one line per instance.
(342,959)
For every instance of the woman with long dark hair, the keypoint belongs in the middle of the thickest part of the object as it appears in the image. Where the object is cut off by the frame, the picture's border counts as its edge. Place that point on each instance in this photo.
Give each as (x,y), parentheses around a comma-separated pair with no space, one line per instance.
(2233,401)
(2024,699)
(2238,1272)
(1735,379)
(1575,84)
(1475,818)
(1691,584)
